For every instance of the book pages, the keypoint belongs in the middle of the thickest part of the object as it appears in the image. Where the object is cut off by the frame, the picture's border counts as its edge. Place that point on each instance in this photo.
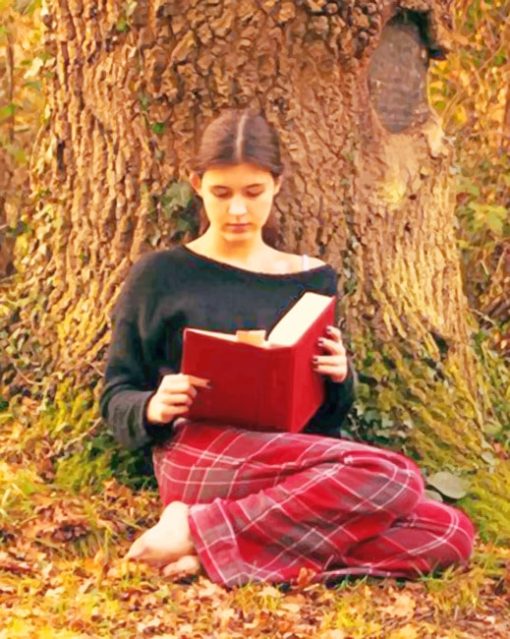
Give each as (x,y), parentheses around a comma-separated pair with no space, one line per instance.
(298,319)
(253,337)
(228,336)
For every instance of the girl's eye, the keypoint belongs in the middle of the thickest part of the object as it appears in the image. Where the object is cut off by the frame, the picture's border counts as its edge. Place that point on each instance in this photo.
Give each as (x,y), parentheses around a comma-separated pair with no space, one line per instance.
(226,194)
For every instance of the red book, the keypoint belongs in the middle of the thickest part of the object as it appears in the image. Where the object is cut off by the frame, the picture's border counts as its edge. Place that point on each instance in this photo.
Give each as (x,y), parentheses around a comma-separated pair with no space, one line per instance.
(261,384)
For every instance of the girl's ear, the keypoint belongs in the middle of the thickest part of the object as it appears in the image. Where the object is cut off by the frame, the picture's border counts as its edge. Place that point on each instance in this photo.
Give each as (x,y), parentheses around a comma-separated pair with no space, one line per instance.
(278,184)
(196,182)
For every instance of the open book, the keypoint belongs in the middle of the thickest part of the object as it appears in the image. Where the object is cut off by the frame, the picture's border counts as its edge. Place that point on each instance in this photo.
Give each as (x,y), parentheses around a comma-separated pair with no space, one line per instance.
(261,382)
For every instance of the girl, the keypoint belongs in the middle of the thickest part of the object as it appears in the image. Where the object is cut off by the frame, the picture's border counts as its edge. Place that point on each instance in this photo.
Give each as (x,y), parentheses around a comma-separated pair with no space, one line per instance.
(244,505)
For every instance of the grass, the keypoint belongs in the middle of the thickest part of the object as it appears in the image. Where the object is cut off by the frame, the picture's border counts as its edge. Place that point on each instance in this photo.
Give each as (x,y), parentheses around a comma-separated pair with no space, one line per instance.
(62,574)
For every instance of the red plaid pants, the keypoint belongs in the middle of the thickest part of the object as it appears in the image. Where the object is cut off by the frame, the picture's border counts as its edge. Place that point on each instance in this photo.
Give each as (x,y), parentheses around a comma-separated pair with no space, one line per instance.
(264,505)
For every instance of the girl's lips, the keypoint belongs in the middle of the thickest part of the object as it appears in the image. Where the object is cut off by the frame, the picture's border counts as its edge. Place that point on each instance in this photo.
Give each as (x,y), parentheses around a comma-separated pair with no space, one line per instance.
(238,227)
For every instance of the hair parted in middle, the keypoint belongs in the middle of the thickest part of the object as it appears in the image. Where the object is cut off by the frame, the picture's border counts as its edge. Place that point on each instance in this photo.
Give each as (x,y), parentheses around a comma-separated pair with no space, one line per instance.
(240,136)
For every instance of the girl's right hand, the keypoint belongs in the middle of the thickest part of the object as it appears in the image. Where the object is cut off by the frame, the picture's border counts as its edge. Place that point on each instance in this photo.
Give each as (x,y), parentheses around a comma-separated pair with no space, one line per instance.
(174,396)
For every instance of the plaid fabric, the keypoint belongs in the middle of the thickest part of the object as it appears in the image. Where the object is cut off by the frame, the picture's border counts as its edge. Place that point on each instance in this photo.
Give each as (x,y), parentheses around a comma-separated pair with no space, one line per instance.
(264,505)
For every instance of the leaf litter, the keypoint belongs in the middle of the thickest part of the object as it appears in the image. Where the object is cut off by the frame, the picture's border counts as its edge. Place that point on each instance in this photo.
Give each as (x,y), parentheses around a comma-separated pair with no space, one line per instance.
(62,575)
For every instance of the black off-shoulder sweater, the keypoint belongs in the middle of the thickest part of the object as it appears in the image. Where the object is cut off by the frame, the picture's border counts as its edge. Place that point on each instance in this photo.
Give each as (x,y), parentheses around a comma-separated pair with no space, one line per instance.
(168,290)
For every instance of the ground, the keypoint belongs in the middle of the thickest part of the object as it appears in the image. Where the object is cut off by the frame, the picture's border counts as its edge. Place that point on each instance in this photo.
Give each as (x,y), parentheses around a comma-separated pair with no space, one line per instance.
(63,576)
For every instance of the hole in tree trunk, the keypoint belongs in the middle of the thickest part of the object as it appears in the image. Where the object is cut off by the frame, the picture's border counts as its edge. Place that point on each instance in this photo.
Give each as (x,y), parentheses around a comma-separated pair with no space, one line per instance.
(397,74)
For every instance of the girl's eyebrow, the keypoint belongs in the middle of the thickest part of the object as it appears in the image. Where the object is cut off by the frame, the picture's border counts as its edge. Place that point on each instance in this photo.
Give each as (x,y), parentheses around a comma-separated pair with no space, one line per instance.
(223,186)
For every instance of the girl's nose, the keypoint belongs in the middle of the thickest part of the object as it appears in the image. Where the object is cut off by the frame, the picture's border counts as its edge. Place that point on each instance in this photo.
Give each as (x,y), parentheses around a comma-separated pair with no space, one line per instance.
(237,207)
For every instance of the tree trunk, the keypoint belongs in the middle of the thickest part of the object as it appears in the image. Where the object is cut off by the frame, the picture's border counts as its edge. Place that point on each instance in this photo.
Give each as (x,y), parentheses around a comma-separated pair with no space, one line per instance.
(368,190)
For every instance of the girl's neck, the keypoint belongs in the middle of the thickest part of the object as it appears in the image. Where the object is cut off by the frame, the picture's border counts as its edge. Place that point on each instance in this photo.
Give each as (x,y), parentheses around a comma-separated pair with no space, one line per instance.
(239,252)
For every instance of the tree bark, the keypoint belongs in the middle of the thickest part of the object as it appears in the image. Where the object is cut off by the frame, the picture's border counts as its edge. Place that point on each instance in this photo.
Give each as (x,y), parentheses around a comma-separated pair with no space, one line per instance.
(367,189)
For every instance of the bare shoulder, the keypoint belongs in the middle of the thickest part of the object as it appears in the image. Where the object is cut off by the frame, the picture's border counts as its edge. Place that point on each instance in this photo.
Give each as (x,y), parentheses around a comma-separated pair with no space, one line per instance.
(295,262)
(315,262)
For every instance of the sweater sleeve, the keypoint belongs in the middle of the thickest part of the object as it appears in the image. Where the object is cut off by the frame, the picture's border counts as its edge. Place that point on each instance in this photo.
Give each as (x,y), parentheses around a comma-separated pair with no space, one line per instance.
(131,374)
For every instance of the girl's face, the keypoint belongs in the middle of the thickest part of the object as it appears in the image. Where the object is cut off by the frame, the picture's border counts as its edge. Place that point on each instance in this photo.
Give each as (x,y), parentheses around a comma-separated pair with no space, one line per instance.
(237,199)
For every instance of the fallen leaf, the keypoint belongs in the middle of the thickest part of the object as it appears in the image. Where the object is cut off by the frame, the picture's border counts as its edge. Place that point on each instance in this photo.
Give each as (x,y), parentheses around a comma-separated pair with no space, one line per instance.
(305,577)
(291,607)
(270,591)
(210,590)
(407,632)
(402,606)
(449,484)
(11,564)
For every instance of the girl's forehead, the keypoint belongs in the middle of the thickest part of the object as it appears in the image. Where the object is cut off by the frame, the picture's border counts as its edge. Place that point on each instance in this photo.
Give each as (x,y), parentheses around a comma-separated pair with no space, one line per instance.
(237,174)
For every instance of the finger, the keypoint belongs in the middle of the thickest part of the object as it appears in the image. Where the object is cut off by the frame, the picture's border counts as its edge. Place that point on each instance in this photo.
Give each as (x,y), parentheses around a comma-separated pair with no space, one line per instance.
(177,395)
(334,332)
(174,378)
(174,383)
(336,371)
(199,381)
(332,346)
(169,414)
(180,381)
(330,360)
(176,399)
(183,383)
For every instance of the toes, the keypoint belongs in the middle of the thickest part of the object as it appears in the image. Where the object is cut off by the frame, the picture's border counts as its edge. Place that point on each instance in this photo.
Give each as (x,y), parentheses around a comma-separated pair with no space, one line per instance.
(166,542)
(136,549)
(149,548)
(188,565)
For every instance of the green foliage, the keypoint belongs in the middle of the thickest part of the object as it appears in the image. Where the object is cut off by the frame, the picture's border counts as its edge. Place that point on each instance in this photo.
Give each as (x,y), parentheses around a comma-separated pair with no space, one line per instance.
(497,388)
(470,91)
(416,403)
(175,198)
(487,502)
(172,212)
(17,487)
(405,399)
(393,393)
(84,454)
(158,127)
(22,103)
(123,23)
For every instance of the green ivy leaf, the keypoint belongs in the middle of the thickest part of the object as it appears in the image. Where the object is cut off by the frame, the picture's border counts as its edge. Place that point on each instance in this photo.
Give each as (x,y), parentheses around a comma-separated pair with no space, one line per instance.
(496,216)
(7,111)
(158,127)
(176,197)
(122,25)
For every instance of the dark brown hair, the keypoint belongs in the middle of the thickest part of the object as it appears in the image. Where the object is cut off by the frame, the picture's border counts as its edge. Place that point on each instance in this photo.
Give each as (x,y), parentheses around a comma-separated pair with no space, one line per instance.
(234,137)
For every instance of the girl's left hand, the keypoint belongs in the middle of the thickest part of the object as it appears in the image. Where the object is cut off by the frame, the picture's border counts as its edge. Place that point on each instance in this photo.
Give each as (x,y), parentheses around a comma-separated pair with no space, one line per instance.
(335,364)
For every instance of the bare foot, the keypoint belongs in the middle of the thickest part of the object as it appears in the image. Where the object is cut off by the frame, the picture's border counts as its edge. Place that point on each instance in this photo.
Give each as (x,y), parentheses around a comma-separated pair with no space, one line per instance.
(187,565)
(167,541)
